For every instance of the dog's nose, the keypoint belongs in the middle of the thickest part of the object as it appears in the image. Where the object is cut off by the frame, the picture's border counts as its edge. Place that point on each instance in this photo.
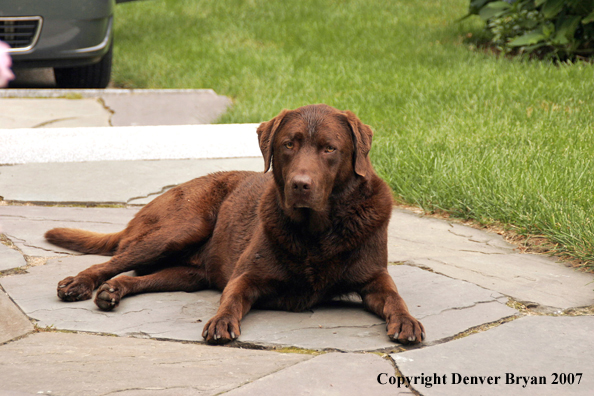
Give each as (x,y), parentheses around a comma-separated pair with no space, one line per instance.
(301,183)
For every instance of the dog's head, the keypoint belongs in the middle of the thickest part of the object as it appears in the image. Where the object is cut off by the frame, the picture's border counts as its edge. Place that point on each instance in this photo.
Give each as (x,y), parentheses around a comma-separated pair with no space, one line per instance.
(314,150)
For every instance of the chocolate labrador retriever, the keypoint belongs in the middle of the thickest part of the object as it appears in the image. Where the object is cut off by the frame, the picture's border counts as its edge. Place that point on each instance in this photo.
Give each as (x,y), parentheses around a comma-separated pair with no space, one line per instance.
(314,229)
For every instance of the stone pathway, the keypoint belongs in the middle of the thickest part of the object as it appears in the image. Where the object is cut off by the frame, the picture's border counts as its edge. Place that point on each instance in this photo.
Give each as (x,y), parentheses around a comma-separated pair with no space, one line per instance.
(109,107)
(523,357)
(469,287)
(446,306)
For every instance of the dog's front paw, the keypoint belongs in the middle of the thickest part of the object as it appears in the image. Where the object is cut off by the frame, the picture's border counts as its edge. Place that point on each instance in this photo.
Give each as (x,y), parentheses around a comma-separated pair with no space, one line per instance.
(405,329)
(221,329)
(75,288)
(108,296)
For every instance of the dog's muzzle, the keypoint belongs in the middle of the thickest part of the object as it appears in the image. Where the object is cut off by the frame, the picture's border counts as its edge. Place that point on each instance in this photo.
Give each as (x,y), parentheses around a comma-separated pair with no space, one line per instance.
(300,192)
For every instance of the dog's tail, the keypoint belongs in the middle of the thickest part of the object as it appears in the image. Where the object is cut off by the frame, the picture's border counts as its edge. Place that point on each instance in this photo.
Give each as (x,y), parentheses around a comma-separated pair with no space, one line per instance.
(85,241)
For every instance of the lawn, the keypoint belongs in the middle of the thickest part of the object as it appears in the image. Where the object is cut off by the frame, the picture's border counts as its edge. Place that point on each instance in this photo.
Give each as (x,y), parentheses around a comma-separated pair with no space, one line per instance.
(457,130)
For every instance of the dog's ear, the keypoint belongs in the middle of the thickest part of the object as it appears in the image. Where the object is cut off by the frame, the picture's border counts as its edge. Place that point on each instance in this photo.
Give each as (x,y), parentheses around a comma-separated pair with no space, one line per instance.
(362,137)
(266,132)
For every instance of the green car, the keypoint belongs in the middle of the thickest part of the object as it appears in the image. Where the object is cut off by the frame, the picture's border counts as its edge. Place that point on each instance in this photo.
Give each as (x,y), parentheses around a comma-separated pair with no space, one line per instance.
(74,37)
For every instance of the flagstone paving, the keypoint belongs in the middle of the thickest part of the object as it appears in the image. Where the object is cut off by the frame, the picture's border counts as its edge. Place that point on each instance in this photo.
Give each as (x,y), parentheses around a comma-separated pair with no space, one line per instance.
(448,307)
(523,357)
(81,364)
(30,108)
(10,258)
(13,323)
(466,285)
(485,259)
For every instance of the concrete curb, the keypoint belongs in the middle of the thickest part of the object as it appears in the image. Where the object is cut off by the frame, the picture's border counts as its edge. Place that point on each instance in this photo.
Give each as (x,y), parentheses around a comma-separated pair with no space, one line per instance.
(35,145)
(92,93)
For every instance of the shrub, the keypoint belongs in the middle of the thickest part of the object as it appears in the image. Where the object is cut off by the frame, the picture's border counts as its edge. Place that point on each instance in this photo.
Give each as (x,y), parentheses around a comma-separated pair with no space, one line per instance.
(561,29)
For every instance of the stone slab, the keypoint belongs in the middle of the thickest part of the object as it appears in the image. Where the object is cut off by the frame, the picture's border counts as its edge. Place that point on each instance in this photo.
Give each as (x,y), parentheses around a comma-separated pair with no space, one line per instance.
(26,225)
(78,364)
(41,145)
(90,93)
(118,107)
(413,236)
(446,306)
(13,322)
(177,316)
(165,107)
(530,346)
(132,182)
(54,113)
(485,259)
(337,374)
(526,278)
(10,258)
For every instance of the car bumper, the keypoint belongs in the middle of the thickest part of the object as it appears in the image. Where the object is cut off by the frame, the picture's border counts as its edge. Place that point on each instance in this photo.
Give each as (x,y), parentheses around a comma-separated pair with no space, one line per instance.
(65,41)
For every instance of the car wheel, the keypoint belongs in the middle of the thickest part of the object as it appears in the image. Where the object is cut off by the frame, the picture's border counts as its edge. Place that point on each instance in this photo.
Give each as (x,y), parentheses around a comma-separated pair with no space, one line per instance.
(92,76)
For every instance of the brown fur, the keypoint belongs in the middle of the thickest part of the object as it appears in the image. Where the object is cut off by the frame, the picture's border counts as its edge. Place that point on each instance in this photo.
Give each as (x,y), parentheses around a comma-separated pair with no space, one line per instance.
(314,229)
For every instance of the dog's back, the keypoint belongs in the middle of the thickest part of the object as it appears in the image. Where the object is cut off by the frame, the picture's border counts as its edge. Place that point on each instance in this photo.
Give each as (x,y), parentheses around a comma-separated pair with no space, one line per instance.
(191,206)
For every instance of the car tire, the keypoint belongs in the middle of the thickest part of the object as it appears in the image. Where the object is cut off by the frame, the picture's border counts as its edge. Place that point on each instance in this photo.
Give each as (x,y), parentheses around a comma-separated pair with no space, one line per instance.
(93,76)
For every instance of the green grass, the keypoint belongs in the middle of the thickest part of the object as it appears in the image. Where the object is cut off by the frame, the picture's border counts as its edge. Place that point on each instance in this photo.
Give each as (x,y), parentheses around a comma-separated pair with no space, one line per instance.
(496,140)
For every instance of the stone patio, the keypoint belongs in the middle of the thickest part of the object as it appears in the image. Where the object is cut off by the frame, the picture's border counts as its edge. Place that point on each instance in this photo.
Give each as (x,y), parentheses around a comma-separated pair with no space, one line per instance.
(466,285)
(153,330)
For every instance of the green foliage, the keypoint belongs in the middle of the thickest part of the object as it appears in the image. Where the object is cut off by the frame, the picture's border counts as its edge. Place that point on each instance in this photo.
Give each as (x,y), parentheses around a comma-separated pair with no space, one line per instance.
(562,29)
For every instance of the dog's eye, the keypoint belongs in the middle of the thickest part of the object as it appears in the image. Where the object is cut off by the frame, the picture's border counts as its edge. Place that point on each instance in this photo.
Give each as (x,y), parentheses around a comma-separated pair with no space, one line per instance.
(329,149)
(289,145)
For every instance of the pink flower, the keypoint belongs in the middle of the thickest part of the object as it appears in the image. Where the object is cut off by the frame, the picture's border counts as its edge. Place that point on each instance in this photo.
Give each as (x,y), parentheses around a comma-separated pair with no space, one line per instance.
(5,63)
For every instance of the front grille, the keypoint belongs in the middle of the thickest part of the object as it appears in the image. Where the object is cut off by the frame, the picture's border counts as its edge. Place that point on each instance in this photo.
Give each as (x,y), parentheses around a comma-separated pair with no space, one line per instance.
(21,33)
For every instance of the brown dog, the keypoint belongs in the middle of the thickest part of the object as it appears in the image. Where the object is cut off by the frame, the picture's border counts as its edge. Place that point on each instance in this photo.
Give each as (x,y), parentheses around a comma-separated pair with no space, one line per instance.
(313,230)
